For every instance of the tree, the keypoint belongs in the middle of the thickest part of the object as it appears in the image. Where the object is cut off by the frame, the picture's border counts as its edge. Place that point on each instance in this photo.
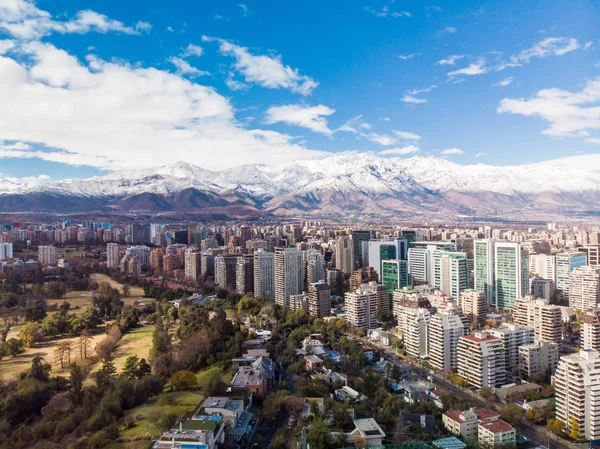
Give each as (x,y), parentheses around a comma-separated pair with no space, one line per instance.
(126,291)
(85,341)
(555,426)
(144,368)
(215,385)
(574,430)
(76,378)
(12,347)
(487,395)
(31,334)
(40,370)
(56,290)
(183,380)
(130,368)
(512,413)
(106,375)
(532,415)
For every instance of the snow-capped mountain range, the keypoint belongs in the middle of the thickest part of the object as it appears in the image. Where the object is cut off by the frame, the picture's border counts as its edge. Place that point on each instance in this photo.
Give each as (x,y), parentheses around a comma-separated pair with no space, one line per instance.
(339,183)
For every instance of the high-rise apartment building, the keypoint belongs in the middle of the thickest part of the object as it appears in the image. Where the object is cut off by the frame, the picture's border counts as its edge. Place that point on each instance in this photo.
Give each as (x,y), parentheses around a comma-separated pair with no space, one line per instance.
(474,305)
(191,265)
(418,264)
(361,308)
(47,255)
(315,270)
(6,251)
(362,276)
(394,274)
(207,264)
(344,254)
(319,299)
(584,288)
(565,263)
(593,254)
(445,328)
(545,319)
(538,358)
(577,391)
(289,274)
(415,324)
(335,279)
(513,336)
(384,303)
(590,333)
(112,256)
(244,274)
(226,271)
(481,360)
(484,269)
(264,274)
(543,266)
(451,272)
(542,288)
(511,274)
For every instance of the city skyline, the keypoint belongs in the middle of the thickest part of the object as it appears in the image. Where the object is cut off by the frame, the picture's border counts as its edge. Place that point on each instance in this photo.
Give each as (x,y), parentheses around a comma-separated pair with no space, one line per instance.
(112,87)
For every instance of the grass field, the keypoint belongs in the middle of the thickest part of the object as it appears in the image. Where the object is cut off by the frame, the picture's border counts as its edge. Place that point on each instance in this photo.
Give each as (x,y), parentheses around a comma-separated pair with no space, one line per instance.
(180,403)
(204,376)
(136,294)
(80,301)
(10,367)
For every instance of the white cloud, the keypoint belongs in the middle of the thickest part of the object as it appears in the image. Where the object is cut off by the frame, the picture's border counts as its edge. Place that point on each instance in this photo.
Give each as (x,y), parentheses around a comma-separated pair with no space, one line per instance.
(245,11)
(413,100)
(386,119)
(192,50)
(505,82)
(568,112)
(117,115)
(410,149)
(593,140)
(447,30)
(23,20)
(478,155)
(311,117)
(184,68)
(546,47)
(423,90)
(588,45)
(381,139)
(451,151)
(404,135)
(407,57)
(170,29)
(263,70)
(234,84)
(475,68)
(6,45)
(450,60)
(385,12)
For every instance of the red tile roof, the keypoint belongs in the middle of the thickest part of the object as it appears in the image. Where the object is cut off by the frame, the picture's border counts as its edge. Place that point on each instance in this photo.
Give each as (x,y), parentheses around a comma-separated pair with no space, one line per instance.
(497,426)
(485,414)
(475,339)
(454,415)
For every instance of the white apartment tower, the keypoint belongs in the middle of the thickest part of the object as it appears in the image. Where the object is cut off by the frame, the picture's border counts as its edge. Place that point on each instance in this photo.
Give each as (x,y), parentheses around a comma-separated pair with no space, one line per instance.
(192,260)
(416,322)
(584,288)
(445,328)
(112,256)
(513,336)
(361,308)
(6,251)
(289,275)
(481,360)
(474,305)
(545,319)
(591,330)
(264,274)
(577,390)
(47,255)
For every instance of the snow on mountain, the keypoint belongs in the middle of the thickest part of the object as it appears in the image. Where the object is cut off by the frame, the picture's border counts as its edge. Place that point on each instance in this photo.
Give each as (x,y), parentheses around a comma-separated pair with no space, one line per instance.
(345,173)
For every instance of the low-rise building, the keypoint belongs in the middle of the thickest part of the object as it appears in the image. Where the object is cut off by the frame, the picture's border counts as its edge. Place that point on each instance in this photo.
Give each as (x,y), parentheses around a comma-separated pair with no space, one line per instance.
(256,378)
(312,363)
(496,433)
(368,430)
(193,433)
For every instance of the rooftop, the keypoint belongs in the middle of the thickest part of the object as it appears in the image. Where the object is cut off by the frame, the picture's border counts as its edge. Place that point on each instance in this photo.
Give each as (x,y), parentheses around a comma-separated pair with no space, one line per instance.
(480,337)
(226,403)
(497,426)
(368,427)
(449,443)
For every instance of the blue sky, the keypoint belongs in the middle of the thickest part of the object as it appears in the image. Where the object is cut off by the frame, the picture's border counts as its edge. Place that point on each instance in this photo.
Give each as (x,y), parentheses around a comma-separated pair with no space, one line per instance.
(96,86)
